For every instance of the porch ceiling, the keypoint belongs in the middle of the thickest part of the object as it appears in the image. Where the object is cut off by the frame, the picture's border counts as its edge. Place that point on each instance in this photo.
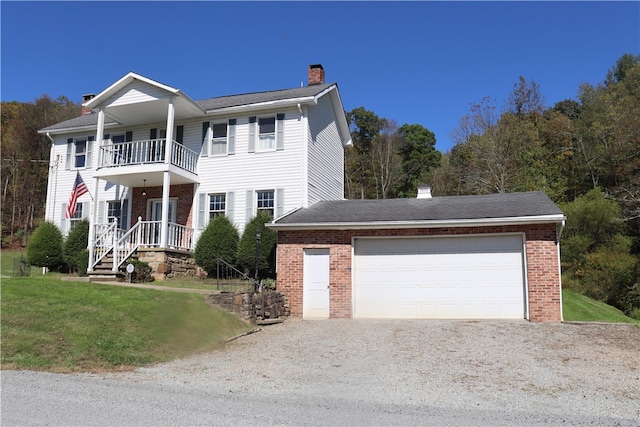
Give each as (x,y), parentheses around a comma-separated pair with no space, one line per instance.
(150,111)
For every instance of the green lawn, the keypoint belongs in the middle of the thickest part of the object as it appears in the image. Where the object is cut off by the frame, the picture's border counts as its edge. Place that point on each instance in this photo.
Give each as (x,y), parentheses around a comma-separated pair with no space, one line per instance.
(577,307)
(50,324)
(8,259)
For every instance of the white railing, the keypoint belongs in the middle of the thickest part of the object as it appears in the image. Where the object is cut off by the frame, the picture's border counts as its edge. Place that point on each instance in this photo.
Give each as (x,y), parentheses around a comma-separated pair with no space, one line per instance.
(145,152)
(184,157)
(142,234)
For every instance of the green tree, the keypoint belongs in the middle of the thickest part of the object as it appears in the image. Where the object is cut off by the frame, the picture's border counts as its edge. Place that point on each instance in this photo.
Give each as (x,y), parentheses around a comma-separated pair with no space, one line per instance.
(44,248)
(247,247)
(218,240)
(25,159)
(365,126)
(419,157)
(596,254)
(76,242)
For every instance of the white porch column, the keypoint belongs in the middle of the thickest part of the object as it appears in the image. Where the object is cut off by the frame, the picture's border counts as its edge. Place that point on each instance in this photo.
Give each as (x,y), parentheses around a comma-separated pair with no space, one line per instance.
(94,206)
(166,178)
(164,227)
(171,113)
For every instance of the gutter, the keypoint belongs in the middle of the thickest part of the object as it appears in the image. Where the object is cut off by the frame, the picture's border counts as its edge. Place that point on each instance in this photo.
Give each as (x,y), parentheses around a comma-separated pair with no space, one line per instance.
(383,225)
(263,105)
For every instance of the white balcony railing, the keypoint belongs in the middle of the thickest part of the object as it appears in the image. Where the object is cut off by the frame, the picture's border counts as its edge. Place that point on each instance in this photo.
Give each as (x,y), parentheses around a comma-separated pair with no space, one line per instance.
(146,152)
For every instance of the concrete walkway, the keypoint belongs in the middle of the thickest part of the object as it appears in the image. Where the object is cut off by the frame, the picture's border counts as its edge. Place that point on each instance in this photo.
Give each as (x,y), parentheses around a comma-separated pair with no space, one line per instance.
(145,286)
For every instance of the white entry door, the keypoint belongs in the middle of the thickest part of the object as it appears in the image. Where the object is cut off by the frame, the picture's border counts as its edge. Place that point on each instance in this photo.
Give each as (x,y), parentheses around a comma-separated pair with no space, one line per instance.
(315,295)
(155,214)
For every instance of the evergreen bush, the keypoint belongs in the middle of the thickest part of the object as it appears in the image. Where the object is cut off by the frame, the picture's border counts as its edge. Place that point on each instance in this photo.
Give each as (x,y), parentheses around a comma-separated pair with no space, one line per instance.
(218,240)
(44,248)
(77,241)
(247,247)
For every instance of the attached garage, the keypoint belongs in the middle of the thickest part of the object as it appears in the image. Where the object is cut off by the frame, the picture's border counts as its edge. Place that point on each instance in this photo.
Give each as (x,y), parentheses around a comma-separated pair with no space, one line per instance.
(462,257)
(463,277)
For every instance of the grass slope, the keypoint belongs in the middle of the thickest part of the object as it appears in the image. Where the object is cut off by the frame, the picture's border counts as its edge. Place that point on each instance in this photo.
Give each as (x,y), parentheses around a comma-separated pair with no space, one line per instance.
(49,324)
(579,308)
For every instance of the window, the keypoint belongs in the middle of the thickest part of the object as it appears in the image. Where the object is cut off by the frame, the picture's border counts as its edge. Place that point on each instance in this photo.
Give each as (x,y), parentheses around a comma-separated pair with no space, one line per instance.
(265,201)
(267,134)
(79,152)
(114,212)
(217,205)
(219,139)
(77,217)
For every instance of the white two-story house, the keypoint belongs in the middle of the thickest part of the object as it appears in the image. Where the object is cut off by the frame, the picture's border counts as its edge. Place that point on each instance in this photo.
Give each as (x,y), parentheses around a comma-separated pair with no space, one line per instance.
(159,165)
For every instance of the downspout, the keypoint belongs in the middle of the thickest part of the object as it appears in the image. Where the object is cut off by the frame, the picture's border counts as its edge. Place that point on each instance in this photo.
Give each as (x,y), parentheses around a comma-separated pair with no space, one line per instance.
(55,179)
(562,224)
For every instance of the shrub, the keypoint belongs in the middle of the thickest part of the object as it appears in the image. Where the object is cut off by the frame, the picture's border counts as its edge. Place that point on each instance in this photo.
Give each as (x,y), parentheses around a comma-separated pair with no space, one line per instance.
(83,262)
(247,247)
(77,241)
(218,240)
(44,248)
(142,271)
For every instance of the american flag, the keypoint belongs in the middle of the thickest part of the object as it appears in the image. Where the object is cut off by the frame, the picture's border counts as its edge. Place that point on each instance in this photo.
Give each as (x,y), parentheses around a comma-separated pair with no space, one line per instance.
(79,188)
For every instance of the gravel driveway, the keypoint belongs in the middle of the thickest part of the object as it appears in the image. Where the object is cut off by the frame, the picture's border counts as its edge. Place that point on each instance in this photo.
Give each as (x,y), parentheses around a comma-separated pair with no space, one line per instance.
(419,372)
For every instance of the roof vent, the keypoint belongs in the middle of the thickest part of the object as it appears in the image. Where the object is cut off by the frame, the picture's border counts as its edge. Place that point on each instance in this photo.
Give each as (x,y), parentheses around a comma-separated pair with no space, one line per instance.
(424,192)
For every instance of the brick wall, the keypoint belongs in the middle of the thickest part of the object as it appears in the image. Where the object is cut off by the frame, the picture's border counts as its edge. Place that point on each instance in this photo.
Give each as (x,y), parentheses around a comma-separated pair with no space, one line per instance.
(183,192)
(541,256)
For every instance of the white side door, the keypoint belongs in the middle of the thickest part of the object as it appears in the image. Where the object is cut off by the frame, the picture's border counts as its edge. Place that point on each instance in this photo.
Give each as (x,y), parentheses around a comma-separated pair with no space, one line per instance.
(315,294)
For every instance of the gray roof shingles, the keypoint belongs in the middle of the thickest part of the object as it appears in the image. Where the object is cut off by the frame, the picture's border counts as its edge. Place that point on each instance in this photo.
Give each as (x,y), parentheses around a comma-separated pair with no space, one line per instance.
(511,205)
(209,104)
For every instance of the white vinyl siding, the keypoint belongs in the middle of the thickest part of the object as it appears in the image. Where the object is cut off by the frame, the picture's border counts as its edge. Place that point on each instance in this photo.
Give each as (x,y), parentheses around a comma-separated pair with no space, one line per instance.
(245,172)
(136,92)
(325,154)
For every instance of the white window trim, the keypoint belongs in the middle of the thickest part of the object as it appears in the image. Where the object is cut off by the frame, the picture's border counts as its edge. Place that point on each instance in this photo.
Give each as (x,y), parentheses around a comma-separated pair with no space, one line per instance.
(72,153)
(273,207)
(209,211)
(212,139)
(259,149)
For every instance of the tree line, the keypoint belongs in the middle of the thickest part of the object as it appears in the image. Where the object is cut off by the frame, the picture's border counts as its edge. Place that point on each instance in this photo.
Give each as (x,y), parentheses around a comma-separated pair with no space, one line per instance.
(25,162)
(584,154)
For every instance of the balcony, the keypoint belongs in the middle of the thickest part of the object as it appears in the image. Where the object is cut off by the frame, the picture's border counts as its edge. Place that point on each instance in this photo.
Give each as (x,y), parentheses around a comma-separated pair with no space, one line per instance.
(124,162)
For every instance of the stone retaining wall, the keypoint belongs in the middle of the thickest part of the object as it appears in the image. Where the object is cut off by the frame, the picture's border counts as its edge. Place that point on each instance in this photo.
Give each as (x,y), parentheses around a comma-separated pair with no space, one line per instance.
(249,305)
(167,263)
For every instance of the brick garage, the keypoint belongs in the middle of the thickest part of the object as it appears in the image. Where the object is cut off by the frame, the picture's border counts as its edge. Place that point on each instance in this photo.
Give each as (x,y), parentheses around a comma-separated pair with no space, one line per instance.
(335,228)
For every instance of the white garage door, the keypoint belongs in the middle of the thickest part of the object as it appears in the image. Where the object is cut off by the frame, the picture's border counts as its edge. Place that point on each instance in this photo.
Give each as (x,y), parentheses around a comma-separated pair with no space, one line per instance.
(440,278)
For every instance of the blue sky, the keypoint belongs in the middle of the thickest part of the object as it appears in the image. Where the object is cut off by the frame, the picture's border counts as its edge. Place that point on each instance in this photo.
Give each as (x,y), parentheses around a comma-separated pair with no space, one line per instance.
(412,62)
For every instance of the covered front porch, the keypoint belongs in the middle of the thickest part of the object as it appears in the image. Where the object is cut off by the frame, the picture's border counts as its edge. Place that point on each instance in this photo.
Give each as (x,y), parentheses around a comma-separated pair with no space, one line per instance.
(159,171)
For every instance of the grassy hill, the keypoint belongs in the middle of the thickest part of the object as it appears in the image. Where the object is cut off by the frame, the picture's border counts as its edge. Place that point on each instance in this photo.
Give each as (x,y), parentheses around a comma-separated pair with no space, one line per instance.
(50,324)
(579,308)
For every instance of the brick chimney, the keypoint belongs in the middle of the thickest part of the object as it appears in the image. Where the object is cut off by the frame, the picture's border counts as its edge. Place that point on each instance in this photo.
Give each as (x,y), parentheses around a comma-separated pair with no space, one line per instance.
(316,74)
(86,98)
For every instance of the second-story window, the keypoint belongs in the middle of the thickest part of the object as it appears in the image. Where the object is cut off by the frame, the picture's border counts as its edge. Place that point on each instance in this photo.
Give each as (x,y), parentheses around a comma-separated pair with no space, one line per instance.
(267,134)
(219,139)
(79,152)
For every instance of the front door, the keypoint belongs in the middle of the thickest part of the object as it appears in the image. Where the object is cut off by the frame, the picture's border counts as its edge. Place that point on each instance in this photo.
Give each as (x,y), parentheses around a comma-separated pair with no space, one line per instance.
(315,294)
(155,214)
